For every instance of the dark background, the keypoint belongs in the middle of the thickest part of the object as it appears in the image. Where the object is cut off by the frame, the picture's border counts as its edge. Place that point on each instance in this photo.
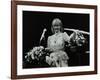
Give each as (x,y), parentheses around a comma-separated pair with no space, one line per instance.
(35,22)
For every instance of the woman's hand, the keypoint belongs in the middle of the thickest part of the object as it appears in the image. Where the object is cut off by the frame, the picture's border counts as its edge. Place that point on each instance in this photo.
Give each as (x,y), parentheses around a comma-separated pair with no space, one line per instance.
(48,50)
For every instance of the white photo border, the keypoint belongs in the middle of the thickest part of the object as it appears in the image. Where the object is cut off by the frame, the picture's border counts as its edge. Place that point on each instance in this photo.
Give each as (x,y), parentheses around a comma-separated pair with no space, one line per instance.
(21,8)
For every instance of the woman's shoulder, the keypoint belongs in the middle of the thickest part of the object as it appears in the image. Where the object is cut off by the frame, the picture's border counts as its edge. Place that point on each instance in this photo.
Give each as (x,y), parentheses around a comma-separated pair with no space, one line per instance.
(50,37)
(65,36)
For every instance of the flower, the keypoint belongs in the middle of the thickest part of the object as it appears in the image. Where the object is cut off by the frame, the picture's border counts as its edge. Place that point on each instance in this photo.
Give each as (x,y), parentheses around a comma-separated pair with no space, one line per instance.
(35,53)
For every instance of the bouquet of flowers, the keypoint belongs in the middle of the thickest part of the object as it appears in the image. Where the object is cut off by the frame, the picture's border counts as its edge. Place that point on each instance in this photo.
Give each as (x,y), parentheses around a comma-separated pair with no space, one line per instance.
(35,53)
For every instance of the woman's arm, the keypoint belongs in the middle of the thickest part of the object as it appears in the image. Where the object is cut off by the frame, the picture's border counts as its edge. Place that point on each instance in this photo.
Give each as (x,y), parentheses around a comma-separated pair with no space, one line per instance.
(66,37)
(48,49)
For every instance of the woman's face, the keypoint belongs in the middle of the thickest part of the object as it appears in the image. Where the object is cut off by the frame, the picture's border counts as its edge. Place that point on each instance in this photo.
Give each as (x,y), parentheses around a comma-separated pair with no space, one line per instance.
(56,28)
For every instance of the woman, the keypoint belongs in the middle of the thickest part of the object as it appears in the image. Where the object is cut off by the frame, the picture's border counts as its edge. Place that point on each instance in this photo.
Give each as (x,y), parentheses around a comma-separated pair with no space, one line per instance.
(56,44)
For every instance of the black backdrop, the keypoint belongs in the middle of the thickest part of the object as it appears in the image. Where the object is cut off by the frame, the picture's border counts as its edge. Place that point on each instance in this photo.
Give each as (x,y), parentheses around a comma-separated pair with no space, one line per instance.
(35,22)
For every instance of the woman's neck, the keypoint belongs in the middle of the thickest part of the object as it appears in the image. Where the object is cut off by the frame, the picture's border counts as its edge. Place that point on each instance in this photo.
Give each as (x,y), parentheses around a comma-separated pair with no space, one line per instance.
(56,33)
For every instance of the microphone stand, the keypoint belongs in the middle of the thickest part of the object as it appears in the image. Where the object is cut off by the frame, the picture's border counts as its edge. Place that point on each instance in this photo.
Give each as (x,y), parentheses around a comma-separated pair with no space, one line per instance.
(42,37)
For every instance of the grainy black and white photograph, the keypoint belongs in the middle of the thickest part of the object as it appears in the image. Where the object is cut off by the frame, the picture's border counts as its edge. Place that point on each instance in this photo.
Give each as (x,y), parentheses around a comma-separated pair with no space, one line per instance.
(55,39)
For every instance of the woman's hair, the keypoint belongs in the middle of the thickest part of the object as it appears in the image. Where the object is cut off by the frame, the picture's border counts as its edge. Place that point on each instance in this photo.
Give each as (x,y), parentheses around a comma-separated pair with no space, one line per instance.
(56,21)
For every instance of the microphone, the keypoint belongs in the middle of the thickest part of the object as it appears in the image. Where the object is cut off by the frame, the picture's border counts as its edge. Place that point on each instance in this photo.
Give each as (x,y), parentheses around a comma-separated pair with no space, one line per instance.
(44,30)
